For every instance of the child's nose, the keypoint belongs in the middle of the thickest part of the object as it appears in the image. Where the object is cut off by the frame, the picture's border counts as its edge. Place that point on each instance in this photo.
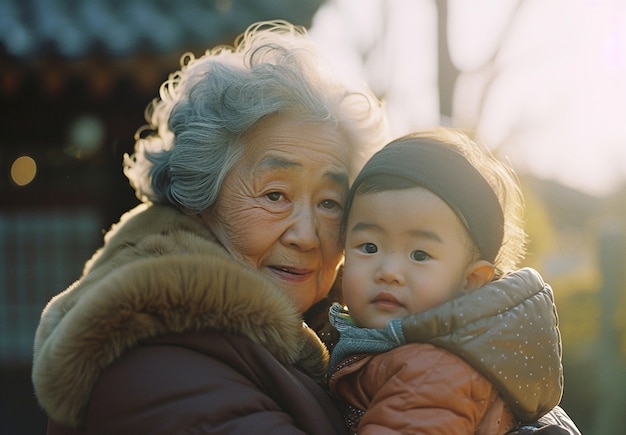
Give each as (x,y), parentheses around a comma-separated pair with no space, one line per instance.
(390,270)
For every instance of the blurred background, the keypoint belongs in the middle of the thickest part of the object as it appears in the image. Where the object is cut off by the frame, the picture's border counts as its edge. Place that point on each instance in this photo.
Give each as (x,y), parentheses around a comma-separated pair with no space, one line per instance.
(540,82)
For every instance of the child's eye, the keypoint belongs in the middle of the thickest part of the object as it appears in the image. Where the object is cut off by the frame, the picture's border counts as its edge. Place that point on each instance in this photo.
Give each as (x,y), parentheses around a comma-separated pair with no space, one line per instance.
(419,255)
(274,196)
(369,248)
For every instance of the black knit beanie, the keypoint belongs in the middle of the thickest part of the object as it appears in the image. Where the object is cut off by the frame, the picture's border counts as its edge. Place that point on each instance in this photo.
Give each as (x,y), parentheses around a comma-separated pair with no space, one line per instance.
(448,174)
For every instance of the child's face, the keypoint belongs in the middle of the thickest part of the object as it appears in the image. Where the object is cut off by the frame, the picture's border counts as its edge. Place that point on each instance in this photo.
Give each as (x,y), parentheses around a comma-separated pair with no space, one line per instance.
(406,252)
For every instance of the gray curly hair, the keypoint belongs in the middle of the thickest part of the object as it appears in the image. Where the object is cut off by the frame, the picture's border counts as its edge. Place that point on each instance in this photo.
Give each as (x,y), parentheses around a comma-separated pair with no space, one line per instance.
(194,131)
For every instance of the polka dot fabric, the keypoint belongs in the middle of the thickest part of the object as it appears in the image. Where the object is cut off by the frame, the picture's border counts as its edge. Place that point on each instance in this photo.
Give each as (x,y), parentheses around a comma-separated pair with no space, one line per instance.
(508,331)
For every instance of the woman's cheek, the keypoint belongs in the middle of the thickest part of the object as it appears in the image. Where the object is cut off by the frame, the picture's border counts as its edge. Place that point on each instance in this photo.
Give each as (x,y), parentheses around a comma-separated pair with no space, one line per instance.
(251,232)
(330,231)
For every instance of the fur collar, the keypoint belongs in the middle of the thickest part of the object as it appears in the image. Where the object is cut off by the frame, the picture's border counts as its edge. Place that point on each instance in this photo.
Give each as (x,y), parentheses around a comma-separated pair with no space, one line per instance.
(158,272)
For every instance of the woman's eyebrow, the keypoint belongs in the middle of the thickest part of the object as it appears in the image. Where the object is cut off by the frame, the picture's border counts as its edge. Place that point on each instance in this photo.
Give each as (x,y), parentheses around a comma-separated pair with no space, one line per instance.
(340,178)
(271,163)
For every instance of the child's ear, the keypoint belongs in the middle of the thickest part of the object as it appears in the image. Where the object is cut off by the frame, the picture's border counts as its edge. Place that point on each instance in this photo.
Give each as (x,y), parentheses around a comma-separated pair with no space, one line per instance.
(478,274)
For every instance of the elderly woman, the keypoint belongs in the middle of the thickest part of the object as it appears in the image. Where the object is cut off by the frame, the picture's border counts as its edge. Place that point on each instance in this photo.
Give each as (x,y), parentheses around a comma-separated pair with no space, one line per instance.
(190,318)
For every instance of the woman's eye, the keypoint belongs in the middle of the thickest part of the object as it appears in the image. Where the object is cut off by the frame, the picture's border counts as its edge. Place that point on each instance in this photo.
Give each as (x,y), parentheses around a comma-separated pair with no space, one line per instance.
(419,256)
(369,248)
(330,204)
(274,196)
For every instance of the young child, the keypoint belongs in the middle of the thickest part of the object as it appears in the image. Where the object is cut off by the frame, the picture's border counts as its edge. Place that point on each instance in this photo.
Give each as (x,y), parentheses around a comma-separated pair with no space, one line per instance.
(428,222)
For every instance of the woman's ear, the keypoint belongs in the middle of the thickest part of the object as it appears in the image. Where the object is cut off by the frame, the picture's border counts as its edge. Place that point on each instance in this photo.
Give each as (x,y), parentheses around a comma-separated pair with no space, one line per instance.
(478,274)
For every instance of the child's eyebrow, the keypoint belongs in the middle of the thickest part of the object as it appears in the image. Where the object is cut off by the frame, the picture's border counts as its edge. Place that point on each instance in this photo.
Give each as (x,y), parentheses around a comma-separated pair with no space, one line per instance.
(365,226)
(426,234)
(416,233)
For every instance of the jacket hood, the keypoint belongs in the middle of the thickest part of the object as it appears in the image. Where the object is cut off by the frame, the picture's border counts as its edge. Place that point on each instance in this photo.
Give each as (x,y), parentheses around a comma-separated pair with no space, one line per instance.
(159,272)
(508,331)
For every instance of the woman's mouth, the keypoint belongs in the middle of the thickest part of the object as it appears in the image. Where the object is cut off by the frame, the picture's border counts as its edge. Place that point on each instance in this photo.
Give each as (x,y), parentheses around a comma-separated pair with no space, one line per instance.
(291,273)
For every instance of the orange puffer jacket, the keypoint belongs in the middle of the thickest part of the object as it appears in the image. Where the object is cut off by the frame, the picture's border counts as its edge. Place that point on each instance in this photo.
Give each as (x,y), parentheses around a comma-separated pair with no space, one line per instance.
(498,344)
(419,389)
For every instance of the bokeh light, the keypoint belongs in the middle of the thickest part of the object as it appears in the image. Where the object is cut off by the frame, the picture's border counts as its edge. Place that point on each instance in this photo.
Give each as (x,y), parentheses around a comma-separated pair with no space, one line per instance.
(23,170)
(86,137)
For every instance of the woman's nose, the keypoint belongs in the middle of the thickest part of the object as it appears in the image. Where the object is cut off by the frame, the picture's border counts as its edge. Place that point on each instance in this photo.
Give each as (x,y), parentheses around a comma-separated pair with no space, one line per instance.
(302,231)
(389,270)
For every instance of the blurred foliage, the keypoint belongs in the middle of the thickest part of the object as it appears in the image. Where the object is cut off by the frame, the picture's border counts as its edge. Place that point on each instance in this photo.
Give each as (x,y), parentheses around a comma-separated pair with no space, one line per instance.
(565,249)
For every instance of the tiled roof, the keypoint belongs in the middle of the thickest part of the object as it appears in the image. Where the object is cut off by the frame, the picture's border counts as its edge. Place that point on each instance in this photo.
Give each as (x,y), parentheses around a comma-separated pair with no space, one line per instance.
(75,28)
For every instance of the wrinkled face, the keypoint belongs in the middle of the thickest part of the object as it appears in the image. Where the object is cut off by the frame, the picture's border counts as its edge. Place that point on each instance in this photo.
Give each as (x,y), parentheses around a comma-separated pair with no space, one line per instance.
(406,252)
(279,208)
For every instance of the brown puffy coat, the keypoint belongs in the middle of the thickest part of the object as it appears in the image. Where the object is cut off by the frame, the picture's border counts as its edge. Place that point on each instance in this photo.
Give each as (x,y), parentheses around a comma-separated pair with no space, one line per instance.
(165,333)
